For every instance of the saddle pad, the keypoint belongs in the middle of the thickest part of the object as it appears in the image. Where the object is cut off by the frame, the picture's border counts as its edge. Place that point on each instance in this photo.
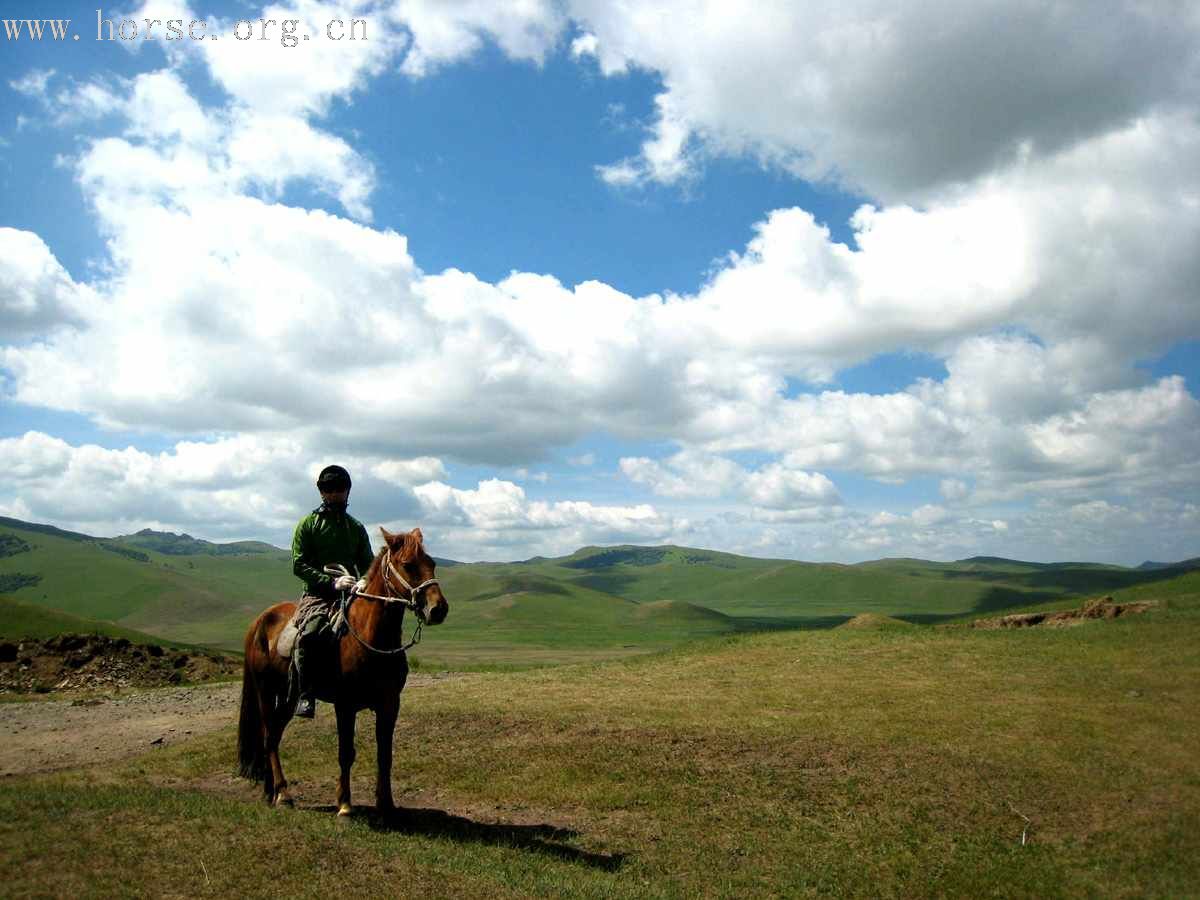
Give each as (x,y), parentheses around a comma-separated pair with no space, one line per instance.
(286,641)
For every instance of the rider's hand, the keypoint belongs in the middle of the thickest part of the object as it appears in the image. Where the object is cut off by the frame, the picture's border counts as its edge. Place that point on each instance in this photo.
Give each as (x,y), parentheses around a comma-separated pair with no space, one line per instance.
(344,582)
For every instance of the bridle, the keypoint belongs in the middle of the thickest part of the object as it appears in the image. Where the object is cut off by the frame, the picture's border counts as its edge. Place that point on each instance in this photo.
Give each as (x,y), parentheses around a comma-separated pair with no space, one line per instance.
(389,572)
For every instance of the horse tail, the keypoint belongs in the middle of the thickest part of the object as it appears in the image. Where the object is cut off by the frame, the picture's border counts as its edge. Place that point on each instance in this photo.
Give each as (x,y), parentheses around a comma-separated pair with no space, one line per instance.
(252,749)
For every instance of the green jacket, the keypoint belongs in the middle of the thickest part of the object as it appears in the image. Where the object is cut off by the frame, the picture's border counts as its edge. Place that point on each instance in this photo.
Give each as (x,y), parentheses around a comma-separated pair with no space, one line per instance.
(325,538)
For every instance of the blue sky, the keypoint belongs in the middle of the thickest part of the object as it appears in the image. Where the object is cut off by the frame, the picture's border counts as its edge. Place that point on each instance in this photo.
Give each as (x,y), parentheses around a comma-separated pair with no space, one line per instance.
(579,273)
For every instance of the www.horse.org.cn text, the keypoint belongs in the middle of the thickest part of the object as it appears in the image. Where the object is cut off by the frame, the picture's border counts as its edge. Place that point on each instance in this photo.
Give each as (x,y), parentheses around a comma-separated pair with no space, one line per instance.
(288,32)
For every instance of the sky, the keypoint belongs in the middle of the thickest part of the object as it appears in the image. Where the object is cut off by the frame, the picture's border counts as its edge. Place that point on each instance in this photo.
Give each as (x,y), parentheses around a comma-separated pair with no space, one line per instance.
(815,281)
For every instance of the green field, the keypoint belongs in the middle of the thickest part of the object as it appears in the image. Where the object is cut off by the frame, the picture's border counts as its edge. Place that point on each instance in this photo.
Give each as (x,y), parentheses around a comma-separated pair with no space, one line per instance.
(26,620)
(597,603)
(892,761)
(198,598)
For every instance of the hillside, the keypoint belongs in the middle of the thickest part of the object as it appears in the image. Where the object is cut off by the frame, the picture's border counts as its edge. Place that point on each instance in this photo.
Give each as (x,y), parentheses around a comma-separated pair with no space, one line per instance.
(27,620)
(597,602)
(171,544)
(201,598)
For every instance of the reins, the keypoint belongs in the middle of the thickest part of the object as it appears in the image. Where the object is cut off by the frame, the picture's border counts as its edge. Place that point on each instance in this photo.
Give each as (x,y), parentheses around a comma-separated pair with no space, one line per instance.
(410,603)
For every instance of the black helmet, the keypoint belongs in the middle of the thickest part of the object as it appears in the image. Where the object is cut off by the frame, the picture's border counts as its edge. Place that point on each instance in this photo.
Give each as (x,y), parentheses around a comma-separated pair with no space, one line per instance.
(332,479)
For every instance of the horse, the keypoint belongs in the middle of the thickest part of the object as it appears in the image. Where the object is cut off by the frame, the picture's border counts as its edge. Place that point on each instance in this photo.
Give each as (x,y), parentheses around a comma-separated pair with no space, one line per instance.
(367,670)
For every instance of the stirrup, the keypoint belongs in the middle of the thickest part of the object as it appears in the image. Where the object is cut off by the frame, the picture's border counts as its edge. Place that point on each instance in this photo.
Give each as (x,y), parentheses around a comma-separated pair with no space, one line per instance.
(306,708)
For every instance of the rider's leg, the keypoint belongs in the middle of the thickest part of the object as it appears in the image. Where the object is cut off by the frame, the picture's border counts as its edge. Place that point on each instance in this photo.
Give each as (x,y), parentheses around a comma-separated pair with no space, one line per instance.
(305,643)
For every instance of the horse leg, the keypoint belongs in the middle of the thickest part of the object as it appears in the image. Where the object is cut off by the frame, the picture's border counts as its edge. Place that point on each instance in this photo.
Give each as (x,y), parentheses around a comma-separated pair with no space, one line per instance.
(345,725)
(266,722)
(385,725)
(279,722)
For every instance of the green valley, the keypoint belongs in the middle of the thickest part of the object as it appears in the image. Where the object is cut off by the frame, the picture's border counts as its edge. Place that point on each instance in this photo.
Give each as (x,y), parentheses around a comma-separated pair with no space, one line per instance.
(599,602)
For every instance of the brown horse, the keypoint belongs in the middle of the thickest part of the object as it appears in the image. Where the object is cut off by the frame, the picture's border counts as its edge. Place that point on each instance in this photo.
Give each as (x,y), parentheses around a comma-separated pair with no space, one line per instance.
(366,670)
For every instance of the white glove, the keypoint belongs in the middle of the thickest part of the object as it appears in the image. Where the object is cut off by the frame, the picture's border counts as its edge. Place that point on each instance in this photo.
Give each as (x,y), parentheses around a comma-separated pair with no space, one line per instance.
(344,582)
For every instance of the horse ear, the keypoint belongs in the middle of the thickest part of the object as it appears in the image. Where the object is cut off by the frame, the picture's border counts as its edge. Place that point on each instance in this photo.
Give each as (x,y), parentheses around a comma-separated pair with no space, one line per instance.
(412,545)
(388,537)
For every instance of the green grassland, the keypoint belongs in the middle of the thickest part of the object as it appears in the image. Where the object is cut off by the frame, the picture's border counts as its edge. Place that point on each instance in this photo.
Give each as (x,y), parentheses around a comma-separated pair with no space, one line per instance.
(200,598)
(627,600)
(600,602)
(26,620)
(891,761)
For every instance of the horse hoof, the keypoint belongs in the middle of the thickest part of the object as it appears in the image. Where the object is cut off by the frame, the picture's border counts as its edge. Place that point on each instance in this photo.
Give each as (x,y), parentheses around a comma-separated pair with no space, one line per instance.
(343,810)
(285,800)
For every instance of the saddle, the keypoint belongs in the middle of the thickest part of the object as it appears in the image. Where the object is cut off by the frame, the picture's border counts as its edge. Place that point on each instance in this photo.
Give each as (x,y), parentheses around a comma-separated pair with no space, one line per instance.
(285,641)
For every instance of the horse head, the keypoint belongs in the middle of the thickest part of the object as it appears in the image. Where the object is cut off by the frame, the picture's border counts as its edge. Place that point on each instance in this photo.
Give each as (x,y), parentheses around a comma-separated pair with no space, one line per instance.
(407,553)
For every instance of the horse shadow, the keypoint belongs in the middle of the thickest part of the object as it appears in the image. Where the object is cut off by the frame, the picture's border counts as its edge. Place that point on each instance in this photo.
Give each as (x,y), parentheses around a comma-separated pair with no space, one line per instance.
(546,839)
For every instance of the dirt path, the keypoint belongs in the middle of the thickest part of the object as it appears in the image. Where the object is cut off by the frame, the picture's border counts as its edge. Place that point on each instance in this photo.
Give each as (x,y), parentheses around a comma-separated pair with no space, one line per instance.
(42,736)
(58,734)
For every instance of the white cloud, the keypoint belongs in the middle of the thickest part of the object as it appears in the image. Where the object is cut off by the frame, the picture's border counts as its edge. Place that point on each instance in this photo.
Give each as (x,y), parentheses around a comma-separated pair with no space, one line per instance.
(544,364)
(446,31)
(689,474)
(954,490)
(663,158)
(584,45)
(1040,258)
(272,150)
(929,515)
(496,520)
(894,99)
(232,487)
(37,296)
(272,78)
(409,471)
(33,83)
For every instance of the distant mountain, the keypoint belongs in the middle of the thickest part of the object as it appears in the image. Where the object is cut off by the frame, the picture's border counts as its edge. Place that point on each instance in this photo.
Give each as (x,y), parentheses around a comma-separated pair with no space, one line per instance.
(175,587)
(1185,565)
(173,544)
(593,603)
(46,529)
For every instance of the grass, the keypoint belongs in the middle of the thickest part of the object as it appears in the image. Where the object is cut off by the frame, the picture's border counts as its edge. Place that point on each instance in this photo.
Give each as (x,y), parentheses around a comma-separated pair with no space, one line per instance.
(881,762)
(600,602)
(188,599)
(26,620)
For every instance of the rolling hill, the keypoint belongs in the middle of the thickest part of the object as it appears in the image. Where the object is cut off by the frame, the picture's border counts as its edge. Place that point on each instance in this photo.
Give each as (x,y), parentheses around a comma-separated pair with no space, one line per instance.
(596,602)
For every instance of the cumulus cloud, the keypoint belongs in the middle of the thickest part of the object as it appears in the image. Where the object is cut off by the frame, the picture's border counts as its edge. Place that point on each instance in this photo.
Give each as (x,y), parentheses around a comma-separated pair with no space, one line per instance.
(1039,256)
(271,77)
(37,296)
(409,471)
(496,518)
(690,474)
(544,364)
(33,83)
(892,99)
(232,487)
(445,31)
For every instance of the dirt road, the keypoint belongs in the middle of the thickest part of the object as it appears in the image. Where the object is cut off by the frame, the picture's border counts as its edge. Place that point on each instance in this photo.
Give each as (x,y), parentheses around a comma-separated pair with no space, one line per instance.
(59,734)
(42,736)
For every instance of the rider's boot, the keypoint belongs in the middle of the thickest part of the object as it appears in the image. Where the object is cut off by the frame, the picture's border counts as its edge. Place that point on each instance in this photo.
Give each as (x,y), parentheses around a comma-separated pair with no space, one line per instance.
(306,708)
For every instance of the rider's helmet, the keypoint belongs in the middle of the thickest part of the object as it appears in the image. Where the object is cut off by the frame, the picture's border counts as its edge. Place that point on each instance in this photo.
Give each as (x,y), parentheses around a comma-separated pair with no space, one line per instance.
(333,479)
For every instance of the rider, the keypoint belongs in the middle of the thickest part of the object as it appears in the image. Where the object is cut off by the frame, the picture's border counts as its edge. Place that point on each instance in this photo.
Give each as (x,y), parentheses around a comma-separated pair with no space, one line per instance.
(326,536)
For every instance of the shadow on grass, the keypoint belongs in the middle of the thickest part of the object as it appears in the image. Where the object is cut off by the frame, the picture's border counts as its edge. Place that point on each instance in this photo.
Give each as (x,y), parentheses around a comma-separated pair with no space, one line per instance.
(1073,578)
(788,623)
(549,840)
(993,600)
